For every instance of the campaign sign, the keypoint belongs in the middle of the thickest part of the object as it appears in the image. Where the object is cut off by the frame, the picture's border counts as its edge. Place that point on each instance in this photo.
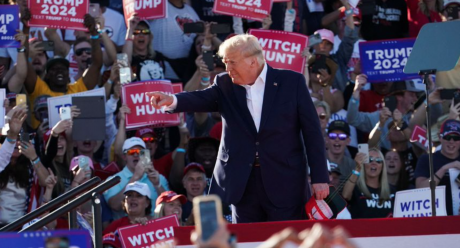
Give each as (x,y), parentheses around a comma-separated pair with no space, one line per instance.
(417,202)
(384,61)
(40,239)
(419,135)
(156,233)
(250,9)
(282,50)
(455,188)
(57,102)
(177,88)
(65,14)
(145,9)
(142,112)
(9,23)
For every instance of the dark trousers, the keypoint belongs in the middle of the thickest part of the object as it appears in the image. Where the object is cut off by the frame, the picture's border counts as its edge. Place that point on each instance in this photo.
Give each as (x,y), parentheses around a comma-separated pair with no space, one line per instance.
(255,206)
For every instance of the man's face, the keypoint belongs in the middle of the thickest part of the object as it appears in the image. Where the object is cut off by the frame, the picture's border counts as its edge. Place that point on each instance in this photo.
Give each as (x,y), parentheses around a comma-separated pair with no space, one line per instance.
(206,154)
(450,145)
(337,141)
(132,157)
(82,54)
(194,183)
(58,75)
(242,70)
(408,99)
(39,62)
(151,143)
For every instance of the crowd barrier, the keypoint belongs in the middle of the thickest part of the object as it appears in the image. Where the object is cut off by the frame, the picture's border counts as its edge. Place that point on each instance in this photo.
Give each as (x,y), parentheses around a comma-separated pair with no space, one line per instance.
(427,232)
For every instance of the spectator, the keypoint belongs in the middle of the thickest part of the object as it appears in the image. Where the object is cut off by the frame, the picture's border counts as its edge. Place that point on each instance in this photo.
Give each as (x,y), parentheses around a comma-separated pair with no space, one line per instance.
(169,203)
(19,165)
(136,203)
(56,81)
(397,174)
(421,12)
(194,182)
(133,172)
(338,139)
(170,39)
(370,100)
(369,195)
(110,240)
(146,63)
(324,113)
(448,157)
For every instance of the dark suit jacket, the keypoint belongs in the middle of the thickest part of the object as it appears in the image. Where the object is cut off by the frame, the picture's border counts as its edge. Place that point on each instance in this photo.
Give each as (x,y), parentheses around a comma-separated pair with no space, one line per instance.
(289,130)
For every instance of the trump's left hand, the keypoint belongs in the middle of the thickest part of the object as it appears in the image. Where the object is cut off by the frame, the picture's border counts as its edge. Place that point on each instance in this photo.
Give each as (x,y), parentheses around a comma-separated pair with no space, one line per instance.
(321,190)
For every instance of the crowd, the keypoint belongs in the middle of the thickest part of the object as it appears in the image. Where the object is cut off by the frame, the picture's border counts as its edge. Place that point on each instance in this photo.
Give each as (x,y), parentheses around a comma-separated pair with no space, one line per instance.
(46,163)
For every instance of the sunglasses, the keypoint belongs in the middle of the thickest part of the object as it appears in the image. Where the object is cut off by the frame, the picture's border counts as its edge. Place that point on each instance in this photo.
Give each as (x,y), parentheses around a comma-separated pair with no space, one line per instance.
(133,151)
(149,139)
(141,31)
(322,116)
(341,136)
(451,137)
(80,51)
(377,160)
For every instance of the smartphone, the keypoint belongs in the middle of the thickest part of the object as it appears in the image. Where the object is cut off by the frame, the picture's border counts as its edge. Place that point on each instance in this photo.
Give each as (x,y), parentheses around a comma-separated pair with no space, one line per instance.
(207,210)
(314,39)
(94,10)
(125,75)
(447,94)
(145,157)
(220,28)
(47,45)
(122,59)
(364,148)
(320,63)
(65,113)
(390,103)
(208,58)
(194,27)
(452,12)
(25,137)
(21,99)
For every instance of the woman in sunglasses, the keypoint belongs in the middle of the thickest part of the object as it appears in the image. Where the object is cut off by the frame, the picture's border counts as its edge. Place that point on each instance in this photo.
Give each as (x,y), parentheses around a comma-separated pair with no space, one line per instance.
(324,113)
(146,63)
(367,190)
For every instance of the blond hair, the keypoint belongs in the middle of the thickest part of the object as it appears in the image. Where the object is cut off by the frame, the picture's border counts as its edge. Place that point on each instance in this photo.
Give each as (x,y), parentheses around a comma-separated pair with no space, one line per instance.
(325,106)
(246,44)
(159,212)
(385,192)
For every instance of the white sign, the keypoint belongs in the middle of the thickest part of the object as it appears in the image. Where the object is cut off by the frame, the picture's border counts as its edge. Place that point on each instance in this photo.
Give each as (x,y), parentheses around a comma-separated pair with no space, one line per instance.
(453,173)
(55,103)
(2,109)
(417,202)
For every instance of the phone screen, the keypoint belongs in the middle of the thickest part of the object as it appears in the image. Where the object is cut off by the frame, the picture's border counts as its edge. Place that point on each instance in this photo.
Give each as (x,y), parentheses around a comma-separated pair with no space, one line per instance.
(364,148)
(390,103)
(208,218)
(208,58)
(122,58)
(194,27)
(25,137)
(125,75)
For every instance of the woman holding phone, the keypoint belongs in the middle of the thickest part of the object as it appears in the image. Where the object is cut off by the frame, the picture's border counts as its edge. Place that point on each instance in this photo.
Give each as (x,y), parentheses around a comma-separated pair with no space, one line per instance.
(367,190)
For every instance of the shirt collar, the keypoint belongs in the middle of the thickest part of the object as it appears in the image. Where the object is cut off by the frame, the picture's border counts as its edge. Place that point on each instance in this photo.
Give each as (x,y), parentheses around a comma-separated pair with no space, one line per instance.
(262,76)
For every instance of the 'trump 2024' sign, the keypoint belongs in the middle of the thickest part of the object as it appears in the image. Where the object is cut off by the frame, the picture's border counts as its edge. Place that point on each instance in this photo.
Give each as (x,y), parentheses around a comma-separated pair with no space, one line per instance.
(282,50)
(384,61)
(67,14)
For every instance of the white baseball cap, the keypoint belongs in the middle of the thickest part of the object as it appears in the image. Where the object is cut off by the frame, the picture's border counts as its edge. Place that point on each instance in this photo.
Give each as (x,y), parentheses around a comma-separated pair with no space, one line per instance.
(140,188)
(131,142)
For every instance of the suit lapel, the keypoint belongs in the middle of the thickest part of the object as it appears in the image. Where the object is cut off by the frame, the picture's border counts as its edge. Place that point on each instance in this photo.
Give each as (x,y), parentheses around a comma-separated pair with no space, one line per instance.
(240,94)
(271,87)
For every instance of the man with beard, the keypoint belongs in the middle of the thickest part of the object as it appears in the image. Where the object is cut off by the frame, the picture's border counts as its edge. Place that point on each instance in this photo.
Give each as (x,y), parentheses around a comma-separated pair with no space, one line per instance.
(57,81)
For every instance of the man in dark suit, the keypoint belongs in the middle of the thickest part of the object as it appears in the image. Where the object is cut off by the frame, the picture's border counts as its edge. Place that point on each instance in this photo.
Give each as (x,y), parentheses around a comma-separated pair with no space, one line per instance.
(269,126)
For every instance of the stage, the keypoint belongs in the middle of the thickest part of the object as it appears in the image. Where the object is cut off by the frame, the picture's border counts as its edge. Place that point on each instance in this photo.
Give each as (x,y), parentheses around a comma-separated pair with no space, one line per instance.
(426,232)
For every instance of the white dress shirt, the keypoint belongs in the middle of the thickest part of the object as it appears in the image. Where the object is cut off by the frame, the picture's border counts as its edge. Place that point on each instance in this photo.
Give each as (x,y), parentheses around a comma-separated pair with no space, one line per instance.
(254,97)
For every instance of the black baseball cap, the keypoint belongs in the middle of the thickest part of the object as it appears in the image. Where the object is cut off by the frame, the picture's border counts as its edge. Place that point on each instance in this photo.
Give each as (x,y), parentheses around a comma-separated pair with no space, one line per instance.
(56,60)
(339,125)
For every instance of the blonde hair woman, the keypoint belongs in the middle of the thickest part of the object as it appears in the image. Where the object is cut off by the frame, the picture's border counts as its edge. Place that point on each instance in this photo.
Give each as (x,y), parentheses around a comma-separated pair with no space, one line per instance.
(169,203)
(367,189)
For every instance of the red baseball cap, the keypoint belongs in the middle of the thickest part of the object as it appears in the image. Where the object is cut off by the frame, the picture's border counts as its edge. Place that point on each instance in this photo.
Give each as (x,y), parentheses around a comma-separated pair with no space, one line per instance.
(193,165)
(111,239)
(144,130)
(169,196)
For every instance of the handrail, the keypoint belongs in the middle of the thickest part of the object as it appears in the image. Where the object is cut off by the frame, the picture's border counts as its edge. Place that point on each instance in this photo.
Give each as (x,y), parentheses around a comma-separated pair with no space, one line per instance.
(50,205)
(73,204)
